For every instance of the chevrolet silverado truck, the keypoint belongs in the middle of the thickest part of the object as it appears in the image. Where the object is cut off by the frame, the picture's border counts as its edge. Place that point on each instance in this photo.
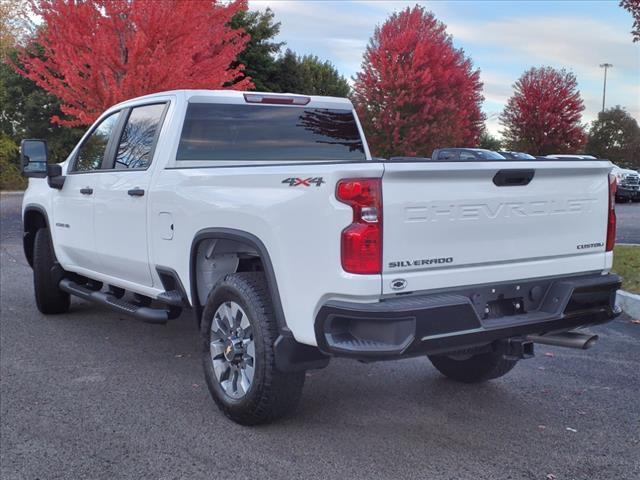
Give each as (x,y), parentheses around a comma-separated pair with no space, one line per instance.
(266,216)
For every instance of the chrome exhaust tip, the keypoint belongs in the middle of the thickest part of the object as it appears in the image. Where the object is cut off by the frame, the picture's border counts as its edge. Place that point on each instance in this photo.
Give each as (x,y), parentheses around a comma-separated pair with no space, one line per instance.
(581,341)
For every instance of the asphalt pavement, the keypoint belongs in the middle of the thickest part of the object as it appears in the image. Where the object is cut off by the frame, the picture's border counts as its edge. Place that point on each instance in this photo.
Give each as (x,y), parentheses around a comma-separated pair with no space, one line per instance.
(628,223)
(91,394)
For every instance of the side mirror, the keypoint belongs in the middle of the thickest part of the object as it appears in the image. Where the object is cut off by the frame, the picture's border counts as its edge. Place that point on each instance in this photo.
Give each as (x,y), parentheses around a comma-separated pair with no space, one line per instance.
(55,179)
(34,162)
(33,158)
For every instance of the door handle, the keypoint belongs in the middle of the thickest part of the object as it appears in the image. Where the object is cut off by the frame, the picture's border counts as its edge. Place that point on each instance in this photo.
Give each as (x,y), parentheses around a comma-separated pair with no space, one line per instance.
(86,191)
(136,192)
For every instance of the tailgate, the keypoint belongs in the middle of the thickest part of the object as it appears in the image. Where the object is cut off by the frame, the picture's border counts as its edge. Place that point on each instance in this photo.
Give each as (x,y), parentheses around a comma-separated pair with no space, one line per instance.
(450,224)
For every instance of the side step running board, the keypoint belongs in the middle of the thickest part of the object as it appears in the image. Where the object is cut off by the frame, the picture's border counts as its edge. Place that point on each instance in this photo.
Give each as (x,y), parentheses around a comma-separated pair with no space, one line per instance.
(172,297)
(147,314)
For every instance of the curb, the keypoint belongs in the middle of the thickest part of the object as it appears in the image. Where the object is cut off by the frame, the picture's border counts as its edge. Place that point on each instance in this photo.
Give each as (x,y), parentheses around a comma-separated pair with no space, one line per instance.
(11,192)
(629,302)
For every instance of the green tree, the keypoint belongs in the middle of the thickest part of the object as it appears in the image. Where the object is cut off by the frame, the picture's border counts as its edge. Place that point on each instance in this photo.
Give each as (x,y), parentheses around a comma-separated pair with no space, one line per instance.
(26,111)
(322,78)
(615,135)
(10,177)
(285,77)
(489,142)
(307,75)
(259,54)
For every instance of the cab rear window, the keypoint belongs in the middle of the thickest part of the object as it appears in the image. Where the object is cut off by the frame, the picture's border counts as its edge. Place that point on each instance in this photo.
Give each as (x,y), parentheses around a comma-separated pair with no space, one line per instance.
(231,132)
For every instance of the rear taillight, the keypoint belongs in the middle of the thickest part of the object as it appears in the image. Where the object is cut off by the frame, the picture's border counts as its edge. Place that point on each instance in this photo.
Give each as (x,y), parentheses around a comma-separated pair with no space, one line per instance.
(611,221)
(361,242)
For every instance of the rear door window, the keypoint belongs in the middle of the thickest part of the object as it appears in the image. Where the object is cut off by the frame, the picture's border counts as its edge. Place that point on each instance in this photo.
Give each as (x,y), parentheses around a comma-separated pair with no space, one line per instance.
(138,138)
(228,132)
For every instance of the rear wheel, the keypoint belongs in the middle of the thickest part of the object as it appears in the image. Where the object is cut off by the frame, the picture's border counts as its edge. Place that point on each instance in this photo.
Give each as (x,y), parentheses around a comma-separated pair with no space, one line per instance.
(239,330)
(47,273)
(473,368)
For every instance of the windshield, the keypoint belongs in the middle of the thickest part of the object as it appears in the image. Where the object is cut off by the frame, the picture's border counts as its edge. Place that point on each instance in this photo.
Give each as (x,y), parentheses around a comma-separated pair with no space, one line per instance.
(522,156)
(488,155)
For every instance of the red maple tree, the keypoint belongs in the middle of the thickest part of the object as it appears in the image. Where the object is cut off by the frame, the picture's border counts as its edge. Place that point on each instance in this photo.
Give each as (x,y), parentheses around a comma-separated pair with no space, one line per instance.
(97,53)
(544,113)
(416,92)
(633,7)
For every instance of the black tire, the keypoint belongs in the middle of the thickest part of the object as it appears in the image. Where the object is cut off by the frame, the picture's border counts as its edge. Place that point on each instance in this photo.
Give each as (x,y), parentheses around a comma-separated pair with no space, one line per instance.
(47,273)
(475,368)
(272,394)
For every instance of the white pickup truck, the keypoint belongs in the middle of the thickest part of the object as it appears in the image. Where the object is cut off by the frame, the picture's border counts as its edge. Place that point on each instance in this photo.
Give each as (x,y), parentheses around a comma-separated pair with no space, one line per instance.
(266,216)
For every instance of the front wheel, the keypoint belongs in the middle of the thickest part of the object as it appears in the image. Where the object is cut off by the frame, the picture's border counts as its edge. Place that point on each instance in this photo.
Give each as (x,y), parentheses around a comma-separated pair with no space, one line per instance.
(473,368)
(239,329)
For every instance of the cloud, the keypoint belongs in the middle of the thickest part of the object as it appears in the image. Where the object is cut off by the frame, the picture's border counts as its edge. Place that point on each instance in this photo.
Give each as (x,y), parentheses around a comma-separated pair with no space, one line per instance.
(497,86)
(336,30)
(578,43)
(503,39)
(493,126)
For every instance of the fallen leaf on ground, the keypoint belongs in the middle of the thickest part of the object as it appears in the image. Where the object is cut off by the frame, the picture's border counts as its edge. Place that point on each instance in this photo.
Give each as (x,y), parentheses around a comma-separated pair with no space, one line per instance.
(549,354)
(542,427)
(569,429)
(551,476)
(637,322)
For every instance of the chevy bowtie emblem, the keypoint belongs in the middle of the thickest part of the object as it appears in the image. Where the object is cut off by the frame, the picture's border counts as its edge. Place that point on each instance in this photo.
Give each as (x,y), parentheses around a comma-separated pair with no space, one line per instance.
(398,284)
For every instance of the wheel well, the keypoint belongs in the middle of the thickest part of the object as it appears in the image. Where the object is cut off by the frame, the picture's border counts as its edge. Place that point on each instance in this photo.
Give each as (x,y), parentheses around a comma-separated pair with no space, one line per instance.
(217,257)
(33,221)
(217,252)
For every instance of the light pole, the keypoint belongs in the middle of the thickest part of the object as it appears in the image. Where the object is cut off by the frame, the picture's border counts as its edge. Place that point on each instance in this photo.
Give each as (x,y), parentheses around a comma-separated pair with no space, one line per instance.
(606,66)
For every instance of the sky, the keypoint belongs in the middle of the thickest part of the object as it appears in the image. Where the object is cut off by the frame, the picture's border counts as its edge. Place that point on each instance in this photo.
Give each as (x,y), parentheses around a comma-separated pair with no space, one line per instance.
(503,38)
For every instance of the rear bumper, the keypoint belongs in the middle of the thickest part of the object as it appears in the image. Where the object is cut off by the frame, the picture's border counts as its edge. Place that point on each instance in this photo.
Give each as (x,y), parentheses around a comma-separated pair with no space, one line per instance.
(460,319)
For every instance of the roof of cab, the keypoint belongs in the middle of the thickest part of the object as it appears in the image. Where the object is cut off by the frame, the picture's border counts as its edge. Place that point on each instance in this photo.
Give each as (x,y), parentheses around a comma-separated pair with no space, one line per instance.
(236,96)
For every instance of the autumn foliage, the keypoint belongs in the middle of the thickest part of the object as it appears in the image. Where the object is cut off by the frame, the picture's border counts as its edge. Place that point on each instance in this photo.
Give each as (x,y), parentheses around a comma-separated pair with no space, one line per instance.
(416,92)
(544,113)
(633,7)
(100,52)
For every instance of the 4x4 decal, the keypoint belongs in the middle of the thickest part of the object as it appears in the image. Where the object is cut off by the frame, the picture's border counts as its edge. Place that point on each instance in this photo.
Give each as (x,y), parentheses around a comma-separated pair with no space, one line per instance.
(304,182)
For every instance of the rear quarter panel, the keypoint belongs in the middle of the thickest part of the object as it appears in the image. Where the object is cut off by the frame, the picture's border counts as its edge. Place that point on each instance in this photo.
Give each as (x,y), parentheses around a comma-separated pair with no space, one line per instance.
(300,227)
